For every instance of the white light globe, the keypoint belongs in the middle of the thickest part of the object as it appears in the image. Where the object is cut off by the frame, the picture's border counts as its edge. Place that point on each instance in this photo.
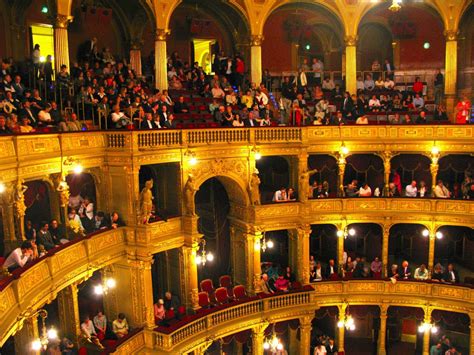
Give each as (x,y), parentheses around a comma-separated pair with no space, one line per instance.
(98,290)
(198,259)
(279,346)
(340,234)
(426,232)
(266,346)
(270,244)
(352,232)
(36,345)
(52,334)
(439,235)
(434,329)
(78,169)
(210,257)
(111,283)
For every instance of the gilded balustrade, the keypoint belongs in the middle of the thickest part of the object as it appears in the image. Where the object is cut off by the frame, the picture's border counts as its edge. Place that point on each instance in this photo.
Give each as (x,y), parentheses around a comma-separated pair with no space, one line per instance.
(290,306)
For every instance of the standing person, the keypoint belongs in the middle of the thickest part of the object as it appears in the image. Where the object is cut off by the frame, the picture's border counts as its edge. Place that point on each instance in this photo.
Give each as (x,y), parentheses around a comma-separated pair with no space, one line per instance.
(439,88)
(35,58)
(463,110)
(239,72)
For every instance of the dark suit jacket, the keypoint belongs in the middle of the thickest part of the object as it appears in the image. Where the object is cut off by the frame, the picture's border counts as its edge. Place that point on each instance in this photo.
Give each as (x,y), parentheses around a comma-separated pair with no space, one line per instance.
(144,125)
(45,239)
(332,351)
(164,121)
(448,278)
(335,122)
(327,271)
(405,273)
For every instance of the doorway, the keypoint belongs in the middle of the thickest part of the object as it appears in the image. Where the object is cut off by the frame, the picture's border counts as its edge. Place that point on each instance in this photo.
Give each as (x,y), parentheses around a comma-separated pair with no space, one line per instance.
(203,53)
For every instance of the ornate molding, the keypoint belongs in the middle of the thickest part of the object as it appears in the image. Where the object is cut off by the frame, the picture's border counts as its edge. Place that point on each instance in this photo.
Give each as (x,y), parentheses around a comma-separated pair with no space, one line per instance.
(351,41)
(62,21)
(451,35)
(162,34)
(256,40)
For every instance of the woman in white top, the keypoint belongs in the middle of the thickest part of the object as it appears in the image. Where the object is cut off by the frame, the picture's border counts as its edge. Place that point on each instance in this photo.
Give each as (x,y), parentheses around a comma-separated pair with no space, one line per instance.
(237,122)
(119,118)
(374,103)
(87,209)
(365,191)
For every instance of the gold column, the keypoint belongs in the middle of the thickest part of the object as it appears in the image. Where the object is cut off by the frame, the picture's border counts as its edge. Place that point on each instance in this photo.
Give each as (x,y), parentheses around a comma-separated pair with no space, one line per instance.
(305,335)
(341,163)
(68,308)
(427,334)
(136,57)
(434,173)
(61,42)
(134,284)
(258,337)
(161,72)
(351,64)
(8,215)
(191,287)
(26,335)
(431,249)
(256,59)
(385,243)
(124,190)
(340,246)
(252,261)
(340,331)
(381,347)
(396,53)
(301,261)
(62,195)
(451,70)
(293,346)
(387,168)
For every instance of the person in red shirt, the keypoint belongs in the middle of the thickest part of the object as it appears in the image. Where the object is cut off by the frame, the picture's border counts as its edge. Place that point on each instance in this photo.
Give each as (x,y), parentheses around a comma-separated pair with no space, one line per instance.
(418,86)
(282,284)
(463,110)
(239,71)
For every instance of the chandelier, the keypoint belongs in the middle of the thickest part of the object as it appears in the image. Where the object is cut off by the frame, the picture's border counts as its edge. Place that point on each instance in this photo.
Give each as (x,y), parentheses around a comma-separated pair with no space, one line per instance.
(273,343)
(47,335)
(347,322)
(346,232)
(107,284)
(203,256)
(263,244)
(395,7)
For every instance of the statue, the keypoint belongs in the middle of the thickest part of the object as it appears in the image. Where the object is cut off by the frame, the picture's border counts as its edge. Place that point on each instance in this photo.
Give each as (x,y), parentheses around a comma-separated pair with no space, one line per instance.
(304,183)
(189,190)
(19,203)
(146,202)
(64,194)
(254,190)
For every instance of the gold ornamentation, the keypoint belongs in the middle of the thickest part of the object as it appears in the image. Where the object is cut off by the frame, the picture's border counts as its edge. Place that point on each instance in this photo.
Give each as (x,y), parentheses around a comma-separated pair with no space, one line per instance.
(254,189)
(256,40)
(62,21)
(146,203)
(350,41)
(162,34)
(188,196)
(451,35)
(19,199)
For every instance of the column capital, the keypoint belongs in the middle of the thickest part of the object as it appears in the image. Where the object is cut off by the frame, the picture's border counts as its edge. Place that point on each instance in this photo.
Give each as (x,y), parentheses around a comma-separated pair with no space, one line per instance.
(256,40)
(259,329)
(136,44)
(451,35)
(162,34)
(306,321)
(383,310)
(62,21)
(351,41)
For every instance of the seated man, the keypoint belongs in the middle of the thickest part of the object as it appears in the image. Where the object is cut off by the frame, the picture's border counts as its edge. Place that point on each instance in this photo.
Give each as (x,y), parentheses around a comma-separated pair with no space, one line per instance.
(418,102)
(405,272)
(330,270)
(411,190)
(421,273)
(19,257)
(88,332)
(181,106)
(44,237)
(265,285)
(57,232)
(451,275)
(280,195)
(120,326)
(171,302)
(441,191)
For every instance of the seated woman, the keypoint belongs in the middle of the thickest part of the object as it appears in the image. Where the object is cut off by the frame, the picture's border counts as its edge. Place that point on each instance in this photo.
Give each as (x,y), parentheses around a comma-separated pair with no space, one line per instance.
(408,103)
(175,83)
(362,120)
(365,191)
(369,83)
(159,311)
(393,274)
(379,84)
(376,267)
(388,83)
(120,326)
(282,284)
(440,114)
(348,267)
(421,273)
(318,93)
(438,273)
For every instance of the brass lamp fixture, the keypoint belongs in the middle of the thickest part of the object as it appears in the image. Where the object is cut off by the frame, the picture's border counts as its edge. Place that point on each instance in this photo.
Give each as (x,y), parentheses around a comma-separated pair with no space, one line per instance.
(47,335)
(204,256)
(395,7)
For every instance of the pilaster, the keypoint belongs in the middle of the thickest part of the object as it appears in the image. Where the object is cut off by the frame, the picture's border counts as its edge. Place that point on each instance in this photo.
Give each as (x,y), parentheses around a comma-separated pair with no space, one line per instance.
(10,239)
(136,57)
(61,42)
(341,331)
(299,239)
(258,337)
(451,69)
(191,287)
(305,335)
(351,64)
(427,333)
(387,168)
(431,250)
(161,72)
(381,344)
(341,163)
(385,243)
(26,335)
(256,59)
(68,307)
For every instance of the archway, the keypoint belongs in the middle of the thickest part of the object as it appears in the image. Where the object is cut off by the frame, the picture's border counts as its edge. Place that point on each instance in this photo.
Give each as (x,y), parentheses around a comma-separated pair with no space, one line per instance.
(274,260)
(456,170)
(466,53)
(402,330)
(411,167)
(299,32)
(365,168)
(407,242)
(38,205)
(274,174)
(375,43)
(323,244)
(213,206)
(327,171)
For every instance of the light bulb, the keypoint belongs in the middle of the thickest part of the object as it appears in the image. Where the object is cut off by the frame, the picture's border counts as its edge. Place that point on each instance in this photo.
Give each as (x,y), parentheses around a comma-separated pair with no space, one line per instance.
(352,327)
(352,232)
(98,290)
(198,259)
(340,233)
(2,188)
(270,244)
(52,334)
(36,345)
(193,161)
(257,245)
(78,169)
(434,329)
(435,150)
(340,324)
(266,346)
(42,59)
(422,328)
(279,346)
(210,257)
(426,233)
(111,283)
(439,235)
(258,156)
(344,150)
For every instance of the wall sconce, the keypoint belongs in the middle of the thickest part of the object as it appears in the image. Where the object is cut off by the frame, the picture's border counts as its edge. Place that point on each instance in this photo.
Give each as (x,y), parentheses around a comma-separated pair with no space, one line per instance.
(347,322)
(256,153)
(107,285)
(346,232)
(2,187)
(344,150)
(428,326)
(47,335)
(395,7)
(426,234)
(263,244)
(74,165)
(203,256)
(191,156)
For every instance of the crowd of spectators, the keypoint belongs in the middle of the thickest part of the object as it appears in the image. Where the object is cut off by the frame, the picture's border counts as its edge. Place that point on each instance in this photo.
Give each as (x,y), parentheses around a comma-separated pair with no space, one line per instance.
(444,346)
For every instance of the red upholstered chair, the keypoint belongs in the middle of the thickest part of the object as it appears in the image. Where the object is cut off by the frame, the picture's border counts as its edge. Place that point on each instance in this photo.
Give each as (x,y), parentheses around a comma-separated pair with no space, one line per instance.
(225,281)
(239,292)
(169,315)
(181,312)
(203,300)
(221,295)
(207,286)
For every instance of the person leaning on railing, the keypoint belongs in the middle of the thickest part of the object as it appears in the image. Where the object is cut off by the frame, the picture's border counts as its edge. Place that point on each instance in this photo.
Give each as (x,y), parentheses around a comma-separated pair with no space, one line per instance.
(19,257)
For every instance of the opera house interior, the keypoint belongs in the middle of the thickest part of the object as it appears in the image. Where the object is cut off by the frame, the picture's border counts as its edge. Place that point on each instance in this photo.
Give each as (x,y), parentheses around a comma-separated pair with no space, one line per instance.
(236,177)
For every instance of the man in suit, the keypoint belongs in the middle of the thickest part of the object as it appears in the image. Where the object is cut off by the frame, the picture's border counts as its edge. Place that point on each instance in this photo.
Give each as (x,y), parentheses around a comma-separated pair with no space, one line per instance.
(330,269)
(265,285)
(331,348)
(148,122)
(405,272)
(44,237)
(165,120)
(338,120)
(27,112)
(181,106)
(451,275)
(389,68)
(347,105)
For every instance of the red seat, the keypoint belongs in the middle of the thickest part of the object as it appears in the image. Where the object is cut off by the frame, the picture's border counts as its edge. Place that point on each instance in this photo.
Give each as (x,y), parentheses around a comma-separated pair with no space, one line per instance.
(296,285)
(2,260)
(181,311)
(225,281)
(239,292)
(201,125)
(334,277)
(203,300)
(169,314)
(377,275)
(202,108)
(221,295)
(207,286)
